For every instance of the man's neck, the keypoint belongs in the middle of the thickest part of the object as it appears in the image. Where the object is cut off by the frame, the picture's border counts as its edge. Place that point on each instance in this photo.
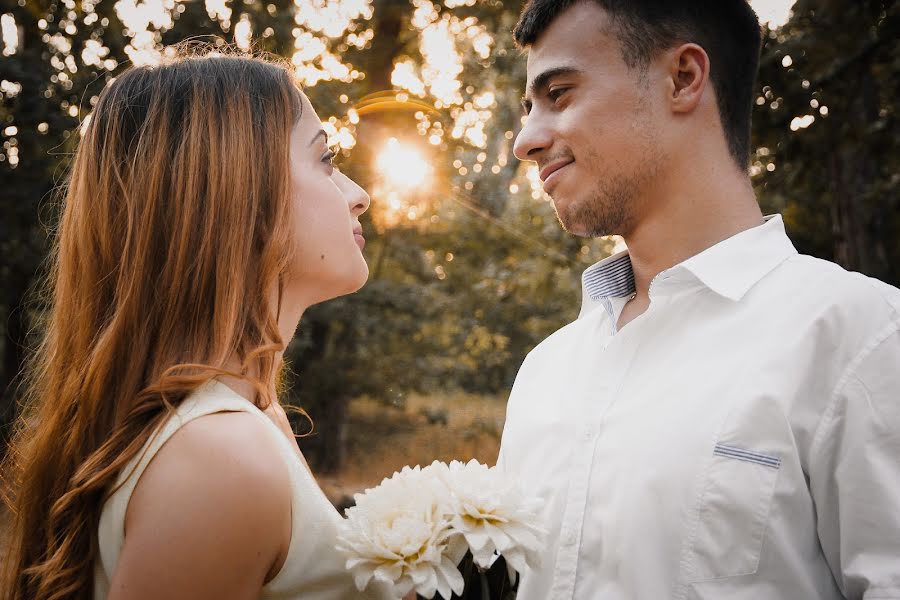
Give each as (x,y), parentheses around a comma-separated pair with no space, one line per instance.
(687,214)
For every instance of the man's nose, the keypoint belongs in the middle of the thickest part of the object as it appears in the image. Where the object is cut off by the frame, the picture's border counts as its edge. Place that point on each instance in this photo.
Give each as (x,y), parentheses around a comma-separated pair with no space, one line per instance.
(533,139)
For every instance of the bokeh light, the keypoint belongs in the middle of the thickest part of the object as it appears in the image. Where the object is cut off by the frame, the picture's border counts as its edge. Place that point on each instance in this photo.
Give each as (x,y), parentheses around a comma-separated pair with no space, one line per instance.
(10,34)
(402,166)
(774,12)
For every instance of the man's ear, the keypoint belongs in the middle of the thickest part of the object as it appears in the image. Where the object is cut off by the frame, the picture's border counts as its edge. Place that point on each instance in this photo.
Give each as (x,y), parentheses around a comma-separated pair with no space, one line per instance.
(688,70)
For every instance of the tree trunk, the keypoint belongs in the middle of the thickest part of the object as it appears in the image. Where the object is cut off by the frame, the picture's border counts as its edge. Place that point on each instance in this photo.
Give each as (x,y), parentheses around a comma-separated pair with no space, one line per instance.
(332,427)
(859,234)
(387,24)
(13,360)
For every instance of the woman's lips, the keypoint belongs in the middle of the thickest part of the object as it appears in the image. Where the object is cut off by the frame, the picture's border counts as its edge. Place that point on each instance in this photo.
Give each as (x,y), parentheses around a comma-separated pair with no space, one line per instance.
(359,239)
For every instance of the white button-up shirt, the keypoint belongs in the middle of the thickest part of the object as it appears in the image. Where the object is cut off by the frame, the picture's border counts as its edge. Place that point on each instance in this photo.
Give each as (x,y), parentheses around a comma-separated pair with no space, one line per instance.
(740,440)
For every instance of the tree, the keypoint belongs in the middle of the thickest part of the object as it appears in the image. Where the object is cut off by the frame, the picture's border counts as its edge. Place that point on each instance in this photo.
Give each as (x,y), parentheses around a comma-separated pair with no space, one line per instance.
(65,52)
(469,270)
(42,89)
(415,325)
(418,325)
(826,122)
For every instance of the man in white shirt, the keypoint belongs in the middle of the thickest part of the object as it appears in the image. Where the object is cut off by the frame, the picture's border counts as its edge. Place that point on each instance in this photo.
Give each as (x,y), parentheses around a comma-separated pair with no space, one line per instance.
(723,419)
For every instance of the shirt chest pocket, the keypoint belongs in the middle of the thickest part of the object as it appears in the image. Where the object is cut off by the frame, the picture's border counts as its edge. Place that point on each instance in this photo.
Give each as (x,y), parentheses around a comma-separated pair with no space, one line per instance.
(732,515)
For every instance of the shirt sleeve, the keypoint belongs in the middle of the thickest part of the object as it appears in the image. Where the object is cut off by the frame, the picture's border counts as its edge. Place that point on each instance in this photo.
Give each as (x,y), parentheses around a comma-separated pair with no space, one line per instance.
(503,461)
(854,473)
(506,457)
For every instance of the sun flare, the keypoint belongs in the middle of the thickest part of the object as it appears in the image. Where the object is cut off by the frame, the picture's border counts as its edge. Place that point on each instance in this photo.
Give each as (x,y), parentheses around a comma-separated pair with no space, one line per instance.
(402,166)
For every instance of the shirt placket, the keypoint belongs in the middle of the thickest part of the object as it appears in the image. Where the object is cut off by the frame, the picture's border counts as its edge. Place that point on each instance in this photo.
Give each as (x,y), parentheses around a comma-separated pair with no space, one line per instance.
(605,394)
(566,566)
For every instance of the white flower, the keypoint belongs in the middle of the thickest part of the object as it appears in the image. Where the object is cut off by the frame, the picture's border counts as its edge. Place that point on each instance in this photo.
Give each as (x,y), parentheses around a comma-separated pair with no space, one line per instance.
(412,530)
(399,533)
(491,513)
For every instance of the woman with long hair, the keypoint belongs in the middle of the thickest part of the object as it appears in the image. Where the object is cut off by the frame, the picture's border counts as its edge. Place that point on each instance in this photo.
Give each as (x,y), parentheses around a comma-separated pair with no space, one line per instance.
(202,215)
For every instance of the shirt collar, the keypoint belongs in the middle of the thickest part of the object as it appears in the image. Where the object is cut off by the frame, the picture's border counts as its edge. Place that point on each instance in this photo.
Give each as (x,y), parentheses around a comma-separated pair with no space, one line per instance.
(729,268)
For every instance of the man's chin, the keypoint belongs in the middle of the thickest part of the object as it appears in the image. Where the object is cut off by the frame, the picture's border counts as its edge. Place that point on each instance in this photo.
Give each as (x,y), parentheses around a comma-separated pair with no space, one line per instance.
(575,229)
(571,222)
(583,219)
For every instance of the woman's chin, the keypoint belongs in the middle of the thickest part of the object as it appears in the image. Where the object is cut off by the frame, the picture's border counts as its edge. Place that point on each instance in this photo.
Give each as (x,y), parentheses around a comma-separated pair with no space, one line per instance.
(328,286)
(362,275)
(353,281)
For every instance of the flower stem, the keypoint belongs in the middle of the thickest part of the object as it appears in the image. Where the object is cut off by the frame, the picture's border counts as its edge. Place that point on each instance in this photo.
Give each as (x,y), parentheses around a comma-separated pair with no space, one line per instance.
(485,589)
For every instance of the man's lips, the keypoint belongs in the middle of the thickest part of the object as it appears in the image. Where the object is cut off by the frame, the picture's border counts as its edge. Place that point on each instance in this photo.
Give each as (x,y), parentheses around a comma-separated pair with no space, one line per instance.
(550,173)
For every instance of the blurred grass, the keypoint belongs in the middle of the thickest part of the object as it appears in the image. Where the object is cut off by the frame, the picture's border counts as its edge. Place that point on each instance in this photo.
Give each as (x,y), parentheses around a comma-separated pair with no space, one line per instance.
(383,438)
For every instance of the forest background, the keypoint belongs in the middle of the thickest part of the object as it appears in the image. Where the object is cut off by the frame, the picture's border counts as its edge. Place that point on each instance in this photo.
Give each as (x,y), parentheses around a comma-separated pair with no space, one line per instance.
(469,267)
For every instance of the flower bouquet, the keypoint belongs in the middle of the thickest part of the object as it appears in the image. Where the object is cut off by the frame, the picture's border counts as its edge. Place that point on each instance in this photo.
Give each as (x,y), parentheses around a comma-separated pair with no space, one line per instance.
(423,529)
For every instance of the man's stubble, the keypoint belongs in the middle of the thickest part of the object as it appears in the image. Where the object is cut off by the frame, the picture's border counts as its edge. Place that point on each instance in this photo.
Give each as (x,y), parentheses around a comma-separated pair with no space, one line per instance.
(618,198)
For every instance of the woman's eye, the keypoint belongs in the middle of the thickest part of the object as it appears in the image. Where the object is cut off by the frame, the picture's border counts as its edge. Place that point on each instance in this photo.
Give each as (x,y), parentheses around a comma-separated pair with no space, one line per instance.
(329,157)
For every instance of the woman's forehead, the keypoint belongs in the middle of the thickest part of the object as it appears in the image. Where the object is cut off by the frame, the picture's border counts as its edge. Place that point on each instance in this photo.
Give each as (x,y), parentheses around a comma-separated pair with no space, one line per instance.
(308,116)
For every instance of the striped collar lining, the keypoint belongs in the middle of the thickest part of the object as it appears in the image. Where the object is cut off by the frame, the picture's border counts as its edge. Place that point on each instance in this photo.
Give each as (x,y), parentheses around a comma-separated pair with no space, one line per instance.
(611,278)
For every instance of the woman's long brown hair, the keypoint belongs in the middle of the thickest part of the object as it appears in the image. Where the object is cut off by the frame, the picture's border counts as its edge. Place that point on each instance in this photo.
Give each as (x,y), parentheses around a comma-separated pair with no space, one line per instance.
(173,236)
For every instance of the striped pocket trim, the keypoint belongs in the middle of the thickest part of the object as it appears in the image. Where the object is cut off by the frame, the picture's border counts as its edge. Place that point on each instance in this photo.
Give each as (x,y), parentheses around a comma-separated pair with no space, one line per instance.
(747,455)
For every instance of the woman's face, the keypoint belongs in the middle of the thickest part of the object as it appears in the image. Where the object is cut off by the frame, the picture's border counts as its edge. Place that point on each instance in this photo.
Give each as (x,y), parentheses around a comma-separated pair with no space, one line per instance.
(328,260)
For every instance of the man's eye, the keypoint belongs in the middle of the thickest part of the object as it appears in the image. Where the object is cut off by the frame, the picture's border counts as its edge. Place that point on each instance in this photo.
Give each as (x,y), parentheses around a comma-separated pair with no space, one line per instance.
(555,94)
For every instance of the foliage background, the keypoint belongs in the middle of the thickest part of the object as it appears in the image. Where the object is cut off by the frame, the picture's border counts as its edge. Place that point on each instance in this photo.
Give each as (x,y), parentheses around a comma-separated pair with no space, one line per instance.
(470,269)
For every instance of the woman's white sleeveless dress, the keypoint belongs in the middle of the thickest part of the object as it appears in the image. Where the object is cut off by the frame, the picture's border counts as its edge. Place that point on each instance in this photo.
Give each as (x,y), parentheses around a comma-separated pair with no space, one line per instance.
(313,568)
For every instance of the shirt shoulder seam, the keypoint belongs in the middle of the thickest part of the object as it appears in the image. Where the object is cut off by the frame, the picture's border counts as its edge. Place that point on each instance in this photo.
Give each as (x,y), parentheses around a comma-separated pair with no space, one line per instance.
(850,372)
(871,284)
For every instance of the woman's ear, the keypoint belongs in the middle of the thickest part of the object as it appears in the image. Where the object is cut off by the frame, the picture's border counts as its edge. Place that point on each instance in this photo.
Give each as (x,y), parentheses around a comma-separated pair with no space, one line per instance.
(689,72)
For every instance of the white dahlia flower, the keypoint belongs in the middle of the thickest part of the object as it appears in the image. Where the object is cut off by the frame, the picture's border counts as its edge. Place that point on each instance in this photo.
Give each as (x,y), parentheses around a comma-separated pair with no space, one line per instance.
(399,532)
(491,513)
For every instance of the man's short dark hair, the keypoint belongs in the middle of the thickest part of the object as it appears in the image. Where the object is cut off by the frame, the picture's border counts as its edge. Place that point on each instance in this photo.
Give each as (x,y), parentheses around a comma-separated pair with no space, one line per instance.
(728,30)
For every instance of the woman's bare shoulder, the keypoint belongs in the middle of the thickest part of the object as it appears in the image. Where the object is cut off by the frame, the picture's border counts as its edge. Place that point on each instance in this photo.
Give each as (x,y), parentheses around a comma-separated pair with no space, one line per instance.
(211,515)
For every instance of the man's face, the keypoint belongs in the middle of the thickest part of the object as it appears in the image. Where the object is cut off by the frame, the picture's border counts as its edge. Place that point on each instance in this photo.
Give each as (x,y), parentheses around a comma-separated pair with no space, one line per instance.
(591,126)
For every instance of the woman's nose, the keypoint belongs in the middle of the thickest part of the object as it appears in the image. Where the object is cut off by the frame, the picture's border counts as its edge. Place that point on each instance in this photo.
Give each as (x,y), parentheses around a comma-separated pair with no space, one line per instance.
(357,198)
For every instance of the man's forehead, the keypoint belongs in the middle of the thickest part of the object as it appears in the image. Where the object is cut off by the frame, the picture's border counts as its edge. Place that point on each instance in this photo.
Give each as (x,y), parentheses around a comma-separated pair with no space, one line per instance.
(578,35)
(557,62)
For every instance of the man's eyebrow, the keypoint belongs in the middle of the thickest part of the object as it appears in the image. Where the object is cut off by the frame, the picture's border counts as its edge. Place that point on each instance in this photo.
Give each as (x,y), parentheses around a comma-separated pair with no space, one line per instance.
(318,133)
(542,79)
